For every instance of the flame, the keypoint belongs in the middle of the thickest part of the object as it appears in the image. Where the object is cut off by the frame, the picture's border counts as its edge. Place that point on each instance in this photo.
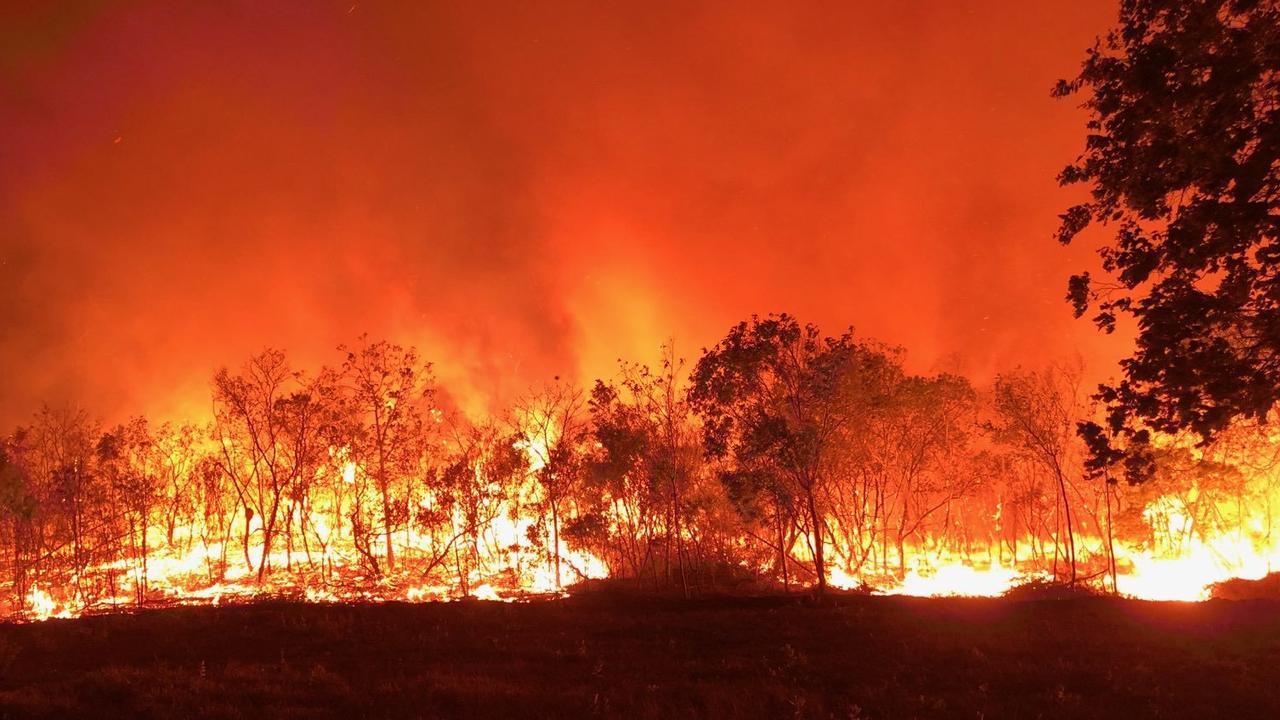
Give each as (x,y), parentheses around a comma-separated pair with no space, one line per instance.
(1187,570)
(958,579)
(43,606)
(204,565)
(1170,547)
(513,568)
(1181,564)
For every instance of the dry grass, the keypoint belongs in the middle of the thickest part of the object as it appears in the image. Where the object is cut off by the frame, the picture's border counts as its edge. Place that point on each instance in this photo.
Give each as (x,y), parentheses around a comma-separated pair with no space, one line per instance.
(614,656)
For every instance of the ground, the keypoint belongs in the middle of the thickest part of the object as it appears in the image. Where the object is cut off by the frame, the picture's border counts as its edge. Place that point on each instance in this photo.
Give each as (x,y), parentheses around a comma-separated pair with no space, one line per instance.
(611,656)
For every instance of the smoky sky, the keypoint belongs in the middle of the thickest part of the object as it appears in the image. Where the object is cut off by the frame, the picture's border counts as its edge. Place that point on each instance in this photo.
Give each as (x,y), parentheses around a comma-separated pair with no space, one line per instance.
(523,190)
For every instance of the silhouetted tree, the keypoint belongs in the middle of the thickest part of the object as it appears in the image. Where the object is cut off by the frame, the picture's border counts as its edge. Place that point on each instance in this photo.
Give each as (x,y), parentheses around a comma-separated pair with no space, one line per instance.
(72,513)
(1037,413)
(479,481)
(1183,161)
(178,448)
(646,459)
(386,387)
(774,397)
(922,435)
(309,420)
(250,432)
(18,509)
(553,425)
(130,462)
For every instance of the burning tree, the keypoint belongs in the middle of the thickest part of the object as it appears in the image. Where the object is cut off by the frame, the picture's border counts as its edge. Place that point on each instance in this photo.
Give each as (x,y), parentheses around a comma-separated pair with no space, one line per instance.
(553,425)
(177,448)
(73,532)
(1037,413)
(775,397)
(250,430)
(647,459)
(385,389)
(309,419)
(920,439)
(18,508)
(786,454)
(480,483)
(129,461)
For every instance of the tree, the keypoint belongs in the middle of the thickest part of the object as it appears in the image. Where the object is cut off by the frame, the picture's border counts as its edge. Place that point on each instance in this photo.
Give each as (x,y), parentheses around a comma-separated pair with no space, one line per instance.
(128,457)
(177,448)
(251,435)
(480,477)
(1189,497)
(1183,161)
(645,460)
(1037,413)
(553,426)
(922,441)
(18,508)
(69,495)
(774,397)
(216,502)
(620,483)
(307,419)
(386,386)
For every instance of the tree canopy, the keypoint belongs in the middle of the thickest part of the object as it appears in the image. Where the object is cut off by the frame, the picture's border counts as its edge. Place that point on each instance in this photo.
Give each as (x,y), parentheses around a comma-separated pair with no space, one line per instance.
(775,396)
(1182,161)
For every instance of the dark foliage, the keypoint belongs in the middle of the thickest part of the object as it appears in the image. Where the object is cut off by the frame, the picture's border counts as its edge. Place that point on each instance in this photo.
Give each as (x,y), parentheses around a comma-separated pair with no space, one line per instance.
(774,397)
(1183,163)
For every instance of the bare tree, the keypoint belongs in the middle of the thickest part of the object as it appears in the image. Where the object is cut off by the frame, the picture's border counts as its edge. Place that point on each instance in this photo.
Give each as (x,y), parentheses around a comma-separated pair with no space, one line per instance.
(386,388)
(553,425)
(250,433)
(129,459)
(1037,413)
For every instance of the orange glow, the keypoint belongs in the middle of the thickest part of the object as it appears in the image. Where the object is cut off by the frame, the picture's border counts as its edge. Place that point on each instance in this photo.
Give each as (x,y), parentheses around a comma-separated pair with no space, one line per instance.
(1185,543)
(530,194)
(523,198)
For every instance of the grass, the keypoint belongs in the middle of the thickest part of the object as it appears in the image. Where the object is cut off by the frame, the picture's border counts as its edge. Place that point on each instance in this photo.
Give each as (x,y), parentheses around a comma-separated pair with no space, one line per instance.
(612,656)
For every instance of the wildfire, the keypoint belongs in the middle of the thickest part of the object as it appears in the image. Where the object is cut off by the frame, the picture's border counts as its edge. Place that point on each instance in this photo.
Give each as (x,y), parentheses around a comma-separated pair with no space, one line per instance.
(185,579)
(1179,563)
(199,522)
(44,607)
(1181,569)
(508,561)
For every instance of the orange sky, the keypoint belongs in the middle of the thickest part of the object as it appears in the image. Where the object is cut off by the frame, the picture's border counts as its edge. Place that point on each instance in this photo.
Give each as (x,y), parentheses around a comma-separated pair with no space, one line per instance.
(523,191)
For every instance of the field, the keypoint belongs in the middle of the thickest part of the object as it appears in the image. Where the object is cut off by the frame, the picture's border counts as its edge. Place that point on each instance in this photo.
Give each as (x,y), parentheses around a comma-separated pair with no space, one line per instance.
(604,655)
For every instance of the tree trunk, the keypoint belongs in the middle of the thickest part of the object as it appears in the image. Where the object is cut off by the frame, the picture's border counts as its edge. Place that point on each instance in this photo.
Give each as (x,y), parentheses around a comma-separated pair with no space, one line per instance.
(819,562)
(386,518)
(782,555)
(1071,536)
(555,540)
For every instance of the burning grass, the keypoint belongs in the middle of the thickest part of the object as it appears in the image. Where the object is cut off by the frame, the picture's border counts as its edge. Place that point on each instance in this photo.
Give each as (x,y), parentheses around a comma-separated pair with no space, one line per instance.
(355,485)
(618,655)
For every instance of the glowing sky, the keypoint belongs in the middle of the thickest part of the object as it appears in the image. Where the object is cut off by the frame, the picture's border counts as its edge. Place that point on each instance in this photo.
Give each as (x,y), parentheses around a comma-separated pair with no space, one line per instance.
(524,189)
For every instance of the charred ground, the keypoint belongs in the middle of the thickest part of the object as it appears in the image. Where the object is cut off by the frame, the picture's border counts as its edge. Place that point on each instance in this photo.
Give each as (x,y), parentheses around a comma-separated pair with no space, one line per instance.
(609,656)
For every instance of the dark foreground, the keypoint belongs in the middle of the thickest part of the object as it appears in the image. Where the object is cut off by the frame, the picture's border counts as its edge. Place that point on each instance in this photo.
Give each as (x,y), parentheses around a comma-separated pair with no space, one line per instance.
(860,657)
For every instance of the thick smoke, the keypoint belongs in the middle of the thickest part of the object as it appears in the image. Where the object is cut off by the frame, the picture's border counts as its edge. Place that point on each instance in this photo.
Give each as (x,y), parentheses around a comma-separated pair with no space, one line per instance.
(521,191)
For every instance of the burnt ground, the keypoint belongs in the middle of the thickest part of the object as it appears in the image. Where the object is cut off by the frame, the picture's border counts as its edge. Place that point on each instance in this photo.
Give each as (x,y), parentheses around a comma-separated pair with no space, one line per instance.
(854,657)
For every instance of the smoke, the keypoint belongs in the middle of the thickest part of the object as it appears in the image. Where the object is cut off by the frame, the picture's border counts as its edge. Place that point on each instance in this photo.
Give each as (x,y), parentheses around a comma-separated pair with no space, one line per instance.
(520,191)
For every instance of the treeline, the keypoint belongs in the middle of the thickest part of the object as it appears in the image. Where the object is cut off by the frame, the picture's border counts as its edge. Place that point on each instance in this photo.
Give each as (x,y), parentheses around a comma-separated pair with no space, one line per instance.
(782,455)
